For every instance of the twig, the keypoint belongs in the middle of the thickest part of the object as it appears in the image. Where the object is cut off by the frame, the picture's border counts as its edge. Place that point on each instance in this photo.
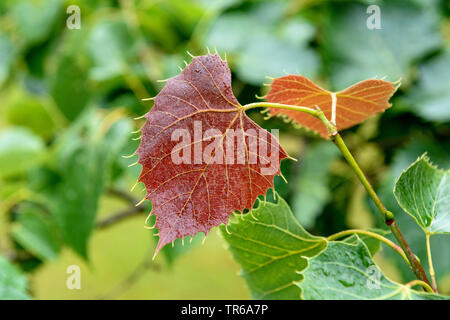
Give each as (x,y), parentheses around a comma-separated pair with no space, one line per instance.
(119,216)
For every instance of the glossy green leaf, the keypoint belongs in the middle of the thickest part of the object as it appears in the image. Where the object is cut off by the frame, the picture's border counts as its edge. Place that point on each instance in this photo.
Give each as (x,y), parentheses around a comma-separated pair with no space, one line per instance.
(423,192)
(19,150)
(346,271)
(271,248)
(312,182)
(13,285)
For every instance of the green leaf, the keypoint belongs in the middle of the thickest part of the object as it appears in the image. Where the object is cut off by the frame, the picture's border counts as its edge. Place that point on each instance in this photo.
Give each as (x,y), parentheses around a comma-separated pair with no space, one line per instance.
(7,55)
(69,87)
(312,183)
(423,192)
(13,285)
(37,234)
(31,111)
(265,49)
(36,19)
(113,38)
(346,271)
(430,98)
(267,55)
(84,157)
(271,248)
(19,150)
(355,52)
(440,153)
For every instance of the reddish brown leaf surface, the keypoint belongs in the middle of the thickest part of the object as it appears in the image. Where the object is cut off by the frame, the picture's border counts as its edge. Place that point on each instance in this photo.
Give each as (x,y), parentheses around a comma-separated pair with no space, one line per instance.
(192,198)
(353,105)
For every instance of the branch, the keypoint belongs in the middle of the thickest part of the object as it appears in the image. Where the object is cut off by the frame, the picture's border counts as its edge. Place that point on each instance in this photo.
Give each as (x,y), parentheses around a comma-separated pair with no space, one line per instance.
(119,216)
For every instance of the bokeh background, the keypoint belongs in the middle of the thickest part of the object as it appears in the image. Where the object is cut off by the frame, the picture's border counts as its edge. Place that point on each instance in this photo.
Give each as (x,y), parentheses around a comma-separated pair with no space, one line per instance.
(68,99)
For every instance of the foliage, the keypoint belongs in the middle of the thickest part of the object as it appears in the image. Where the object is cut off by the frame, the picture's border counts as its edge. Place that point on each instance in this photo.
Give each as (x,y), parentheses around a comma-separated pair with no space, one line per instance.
(69,97)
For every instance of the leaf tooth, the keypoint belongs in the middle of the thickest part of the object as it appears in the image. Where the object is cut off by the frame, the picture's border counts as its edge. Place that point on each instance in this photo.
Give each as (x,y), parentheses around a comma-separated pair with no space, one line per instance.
(133,164)
(192,56)
(140,202)
(129,156)
(140,117)
(135,139)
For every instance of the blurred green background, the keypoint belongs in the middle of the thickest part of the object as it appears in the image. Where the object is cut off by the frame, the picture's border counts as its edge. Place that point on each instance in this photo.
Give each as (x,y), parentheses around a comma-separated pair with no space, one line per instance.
(68,98)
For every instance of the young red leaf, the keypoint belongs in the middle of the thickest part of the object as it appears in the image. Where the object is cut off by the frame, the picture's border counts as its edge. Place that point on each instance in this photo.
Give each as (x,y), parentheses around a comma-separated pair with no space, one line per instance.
(207,186)
(351,106)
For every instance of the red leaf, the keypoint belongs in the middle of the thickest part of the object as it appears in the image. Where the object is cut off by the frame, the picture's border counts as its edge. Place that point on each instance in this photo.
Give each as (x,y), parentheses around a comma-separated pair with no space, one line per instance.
(193,197)
(353,105)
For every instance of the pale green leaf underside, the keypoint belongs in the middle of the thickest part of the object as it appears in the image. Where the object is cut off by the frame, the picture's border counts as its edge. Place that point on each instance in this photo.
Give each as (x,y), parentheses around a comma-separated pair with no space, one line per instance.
(271,247)
(423,191)
(347,271)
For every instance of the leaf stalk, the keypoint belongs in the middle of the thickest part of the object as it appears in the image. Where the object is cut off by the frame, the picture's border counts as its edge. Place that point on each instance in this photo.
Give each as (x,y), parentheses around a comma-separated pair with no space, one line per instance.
(377,236)
(430,263)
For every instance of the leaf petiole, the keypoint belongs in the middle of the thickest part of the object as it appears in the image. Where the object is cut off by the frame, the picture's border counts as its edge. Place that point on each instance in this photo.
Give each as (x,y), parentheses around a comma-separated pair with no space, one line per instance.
(430,263)
(377,236)
(424,285)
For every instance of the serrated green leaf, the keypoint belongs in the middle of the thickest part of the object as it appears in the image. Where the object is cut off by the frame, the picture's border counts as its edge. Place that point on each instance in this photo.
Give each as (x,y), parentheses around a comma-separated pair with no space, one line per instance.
(346,271)
(423,192)
(271,248)
(312,186)
(13,285)
(439,152)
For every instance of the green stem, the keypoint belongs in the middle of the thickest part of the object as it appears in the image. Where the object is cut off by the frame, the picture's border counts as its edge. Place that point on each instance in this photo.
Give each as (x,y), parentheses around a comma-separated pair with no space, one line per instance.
(337,139)
(424,285)
(430,264)
(373,235)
